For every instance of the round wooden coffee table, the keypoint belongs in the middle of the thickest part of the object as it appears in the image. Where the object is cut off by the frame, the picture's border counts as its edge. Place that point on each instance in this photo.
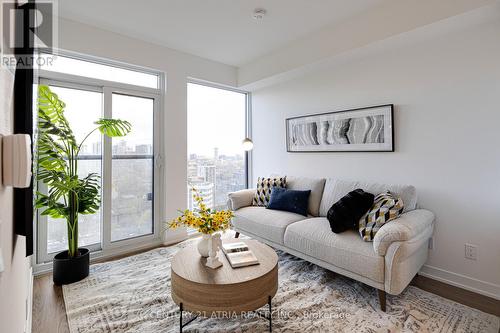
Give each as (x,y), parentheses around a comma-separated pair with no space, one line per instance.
(204,291)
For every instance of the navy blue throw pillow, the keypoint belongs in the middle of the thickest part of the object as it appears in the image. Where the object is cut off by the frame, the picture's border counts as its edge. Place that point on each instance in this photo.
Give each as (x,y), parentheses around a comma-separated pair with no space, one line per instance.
(345,213)
(289,200)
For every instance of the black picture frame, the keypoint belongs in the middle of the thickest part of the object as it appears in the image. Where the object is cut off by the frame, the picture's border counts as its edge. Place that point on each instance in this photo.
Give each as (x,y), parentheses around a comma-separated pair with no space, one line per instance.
(386,110)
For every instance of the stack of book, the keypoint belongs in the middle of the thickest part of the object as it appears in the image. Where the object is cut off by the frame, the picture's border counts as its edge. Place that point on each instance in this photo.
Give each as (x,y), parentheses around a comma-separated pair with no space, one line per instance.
(239,255)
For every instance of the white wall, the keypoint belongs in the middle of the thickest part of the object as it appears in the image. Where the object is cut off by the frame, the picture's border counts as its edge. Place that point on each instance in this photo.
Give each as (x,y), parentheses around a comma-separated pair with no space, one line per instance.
(445,83)
(178,66)
(14,287)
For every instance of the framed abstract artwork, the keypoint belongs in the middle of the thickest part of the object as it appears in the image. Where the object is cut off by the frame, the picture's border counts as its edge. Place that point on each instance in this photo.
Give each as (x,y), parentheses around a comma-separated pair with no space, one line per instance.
(356,130)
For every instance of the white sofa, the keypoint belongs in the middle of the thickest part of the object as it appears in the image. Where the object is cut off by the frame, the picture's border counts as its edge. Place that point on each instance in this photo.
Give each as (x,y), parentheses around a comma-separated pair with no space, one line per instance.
(388,263)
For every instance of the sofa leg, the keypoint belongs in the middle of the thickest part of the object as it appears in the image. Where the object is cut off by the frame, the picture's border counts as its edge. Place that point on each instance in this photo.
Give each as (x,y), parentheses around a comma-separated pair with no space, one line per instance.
(237,234)
(381,299)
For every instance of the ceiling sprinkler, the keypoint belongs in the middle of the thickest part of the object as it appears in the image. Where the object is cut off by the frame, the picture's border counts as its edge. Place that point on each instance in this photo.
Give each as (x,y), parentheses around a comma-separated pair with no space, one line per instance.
(258,14)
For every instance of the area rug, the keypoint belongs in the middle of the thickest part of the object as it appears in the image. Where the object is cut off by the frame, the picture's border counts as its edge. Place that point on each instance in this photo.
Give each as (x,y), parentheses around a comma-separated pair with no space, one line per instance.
(133,295)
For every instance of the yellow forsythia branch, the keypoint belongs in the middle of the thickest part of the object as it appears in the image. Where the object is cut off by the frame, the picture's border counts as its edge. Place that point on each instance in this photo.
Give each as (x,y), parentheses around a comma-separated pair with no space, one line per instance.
(205,220)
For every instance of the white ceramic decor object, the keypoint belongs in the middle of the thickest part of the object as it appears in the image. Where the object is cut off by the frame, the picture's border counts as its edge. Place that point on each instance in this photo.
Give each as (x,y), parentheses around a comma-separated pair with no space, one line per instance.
(203,245)
(215,244)
(16,159)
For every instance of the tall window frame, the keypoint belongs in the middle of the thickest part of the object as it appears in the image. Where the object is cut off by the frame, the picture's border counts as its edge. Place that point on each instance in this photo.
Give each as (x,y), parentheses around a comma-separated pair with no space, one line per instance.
(108,247)
(248,127)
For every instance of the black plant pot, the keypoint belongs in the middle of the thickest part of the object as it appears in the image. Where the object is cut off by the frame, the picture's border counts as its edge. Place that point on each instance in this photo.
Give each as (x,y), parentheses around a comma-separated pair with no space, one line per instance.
(67,270)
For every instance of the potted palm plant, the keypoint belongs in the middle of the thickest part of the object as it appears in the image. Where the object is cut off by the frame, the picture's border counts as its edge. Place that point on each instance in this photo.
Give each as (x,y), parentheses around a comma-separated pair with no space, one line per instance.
(68,195)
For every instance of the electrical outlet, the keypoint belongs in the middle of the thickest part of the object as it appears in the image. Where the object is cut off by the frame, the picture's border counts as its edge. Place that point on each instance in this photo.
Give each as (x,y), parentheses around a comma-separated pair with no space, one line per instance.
(431,243)
(470,251)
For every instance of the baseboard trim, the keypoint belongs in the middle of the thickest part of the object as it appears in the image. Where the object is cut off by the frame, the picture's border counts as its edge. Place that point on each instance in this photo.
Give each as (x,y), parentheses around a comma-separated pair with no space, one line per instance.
(175,240)
(99,256)
(461,281)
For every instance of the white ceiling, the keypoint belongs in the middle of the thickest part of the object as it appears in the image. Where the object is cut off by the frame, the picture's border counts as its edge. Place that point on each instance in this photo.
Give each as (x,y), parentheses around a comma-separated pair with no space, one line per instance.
(220,30)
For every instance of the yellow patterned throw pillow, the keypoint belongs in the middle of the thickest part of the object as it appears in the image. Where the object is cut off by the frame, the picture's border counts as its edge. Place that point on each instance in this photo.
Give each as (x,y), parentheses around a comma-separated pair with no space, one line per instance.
(264,187)
(386,207)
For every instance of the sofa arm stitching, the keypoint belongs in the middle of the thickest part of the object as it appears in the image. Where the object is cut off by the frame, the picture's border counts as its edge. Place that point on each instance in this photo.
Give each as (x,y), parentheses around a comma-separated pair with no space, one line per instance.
(388,279)
(397,256)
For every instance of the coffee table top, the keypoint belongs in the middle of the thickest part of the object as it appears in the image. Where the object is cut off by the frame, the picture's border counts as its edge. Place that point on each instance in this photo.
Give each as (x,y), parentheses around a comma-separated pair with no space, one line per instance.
(189,265)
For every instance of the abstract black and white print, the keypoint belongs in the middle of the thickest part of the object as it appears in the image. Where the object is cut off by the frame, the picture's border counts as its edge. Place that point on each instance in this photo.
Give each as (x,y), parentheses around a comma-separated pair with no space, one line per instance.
(367,129)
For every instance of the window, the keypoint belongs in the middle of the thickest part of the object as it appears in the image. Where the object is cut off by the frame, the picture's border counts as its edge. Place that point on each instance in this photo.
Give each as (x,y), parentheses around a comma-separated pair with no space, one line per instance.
(217,163)
(83,68)
(129,195)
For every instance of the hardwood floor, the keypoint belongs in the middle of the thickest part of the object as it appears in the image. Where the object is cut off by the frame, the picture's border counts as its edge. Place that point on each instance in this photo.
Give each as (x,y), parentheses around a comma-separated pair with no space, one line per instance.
(49,313)
(459,295)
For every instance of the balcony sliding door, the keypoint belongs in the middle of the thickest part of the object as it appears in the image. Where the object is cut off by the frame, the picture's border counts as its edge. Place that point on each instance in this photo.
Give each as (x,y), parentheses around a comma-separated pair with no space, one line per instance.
(129,166)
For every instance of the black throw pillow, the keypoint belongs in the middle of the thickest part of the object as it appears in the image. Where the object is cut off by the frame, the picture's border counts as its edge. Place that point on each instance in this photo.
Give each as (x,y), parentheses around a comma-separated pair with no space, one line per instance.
(289,200)
(345,213)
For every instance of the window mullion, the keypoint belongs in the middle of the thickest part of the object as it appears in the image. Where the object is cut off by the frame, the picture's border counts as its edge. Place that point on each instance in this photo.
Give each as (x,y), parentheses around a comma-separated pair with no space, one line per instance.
(107,173)
(42,221)
(42,226)
(248,134)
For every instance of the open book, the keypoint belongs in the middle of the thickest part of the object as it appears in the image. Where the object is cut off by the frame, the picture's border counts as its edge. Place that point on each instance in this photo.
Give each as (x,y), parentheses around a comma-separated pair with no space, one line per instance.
(234,247)
(242,259)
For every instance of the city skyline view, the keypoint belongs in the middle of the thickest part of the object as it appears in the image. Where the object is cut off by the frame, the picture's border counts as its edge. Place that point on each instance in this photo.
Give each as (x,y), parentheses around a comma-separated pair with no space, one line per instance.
(216,159)
(214,177)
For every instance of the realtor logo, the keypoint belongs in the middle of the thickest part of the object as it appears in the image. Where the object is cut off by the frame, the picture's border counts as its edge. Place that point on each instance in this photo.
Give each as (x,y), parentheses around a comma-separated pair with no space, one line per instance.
(26,27)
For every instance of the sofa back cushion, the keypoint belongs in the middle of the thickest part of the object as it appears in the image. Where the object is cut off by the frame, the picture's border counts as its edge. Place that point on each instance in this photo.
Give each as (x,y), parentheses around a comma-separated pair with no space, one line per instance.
(335,189)
(316,186)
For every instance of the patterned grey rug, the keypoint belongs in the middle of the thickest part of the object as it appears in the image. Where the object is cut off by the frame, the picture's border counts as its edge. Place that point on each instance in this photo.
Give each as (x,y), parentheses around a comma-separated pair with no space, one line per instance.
(133,295)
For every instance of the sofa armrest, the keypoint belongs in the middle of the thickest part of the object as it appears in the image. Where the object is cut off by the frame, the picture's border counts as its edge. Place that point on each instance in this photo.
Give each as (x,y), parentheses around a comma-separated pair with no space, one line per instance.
(405,227)
(239,199)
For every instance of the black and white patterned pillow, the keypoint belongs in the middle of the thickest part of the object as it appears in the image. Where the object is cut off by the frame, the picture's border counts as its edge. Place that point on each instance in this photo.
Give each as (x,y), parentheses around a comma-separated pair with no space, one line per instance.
(264,187)
(386,207)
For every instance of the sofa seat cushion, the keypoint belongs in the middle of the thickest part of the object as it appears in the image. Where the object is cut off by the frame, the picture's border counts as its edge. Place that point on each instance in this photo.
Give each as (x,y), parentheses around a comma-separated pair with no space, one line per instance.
(346,250)
(266,223)
(336,189)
